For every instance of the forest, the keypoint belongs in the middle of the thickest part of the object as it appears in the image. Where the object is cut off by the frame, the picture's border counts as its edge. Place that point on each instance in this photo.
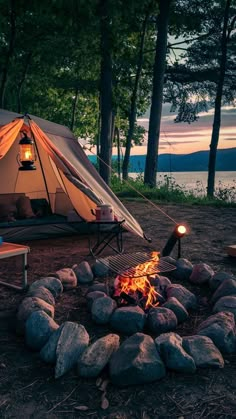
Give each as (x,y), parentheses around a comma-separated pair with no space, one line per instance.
(97,65)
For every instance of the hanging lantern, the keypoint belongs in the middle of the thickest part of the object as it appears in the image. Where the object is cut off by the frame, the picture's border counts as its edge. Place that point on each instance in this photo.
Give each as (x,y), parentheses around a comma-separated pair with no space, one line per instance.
(27,155)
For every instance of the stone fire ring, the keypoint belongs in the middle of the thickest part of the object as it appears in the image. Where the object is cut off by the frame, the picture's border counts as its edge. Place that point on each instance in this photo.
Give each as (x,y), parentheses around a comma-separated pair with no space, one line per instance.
(150,346)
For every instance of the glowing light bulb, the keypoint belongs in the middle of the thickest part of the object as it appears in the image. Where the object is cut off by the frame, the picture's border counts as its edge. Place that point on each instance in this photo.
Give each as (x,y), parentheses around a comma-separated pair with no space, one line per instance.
(181,229)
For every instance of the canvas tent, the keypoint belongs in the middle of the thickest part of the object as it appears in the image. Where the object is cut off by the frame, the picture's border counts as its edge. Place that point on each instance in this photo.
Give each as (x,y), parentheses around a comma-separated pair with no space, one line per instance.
(64,176)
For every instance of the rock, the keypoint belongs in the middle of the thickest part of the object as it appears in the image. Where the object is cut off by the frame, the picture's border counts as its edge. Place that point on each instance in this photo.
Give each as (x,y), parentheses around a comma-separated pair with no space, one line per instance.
(43,293)
(67,277)
(48,351)
(203,351)
(72,342)
(100,269)
(83,273)
(98,286)
(161,320)
(226,304)
(228,287)
(169,346)
(163,282)
(217,279)
(160,281)
(136,362)
(92,296)
(97,355)
(102,309)
(28,306)
(201,274)
(38,328)
(173,304)
(183,270)
(184,296)
(51,283)
(128,320)
(220,328)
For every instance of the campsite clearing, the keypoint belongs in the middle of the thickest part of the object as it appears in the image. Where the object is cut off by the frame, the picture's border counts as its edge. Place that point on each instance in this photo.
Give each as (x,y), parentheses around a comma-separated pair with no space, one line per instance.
(27,385)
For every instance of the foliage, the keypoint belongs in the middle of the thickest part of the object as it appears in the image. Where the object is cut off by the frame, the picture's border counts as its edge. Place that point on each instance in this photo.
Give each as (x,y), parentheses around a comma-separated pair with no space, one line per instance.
(191,81)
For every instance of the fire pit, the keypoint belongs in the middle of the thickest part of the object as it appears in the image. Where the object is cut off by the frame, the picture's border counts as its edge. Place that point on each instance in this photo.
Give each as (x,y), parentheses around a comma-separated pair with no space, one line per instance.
(132,284)
(130,304)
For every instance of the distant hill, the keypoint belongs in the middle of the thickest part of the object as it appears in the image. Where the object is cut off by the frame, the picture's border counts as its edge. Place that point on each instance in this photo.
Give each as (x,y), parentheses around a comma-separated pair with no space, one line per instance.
(194,162)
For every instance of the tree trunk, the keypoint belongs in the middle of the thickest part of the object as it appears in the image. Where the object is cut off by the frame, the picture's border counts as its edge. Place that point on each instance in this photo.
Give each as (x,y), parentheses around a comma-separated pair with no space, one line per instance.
(21,82)
(106,95)
(132,114)
(157,93)
(218,99)
(74,105)
(117,136)
(9,53)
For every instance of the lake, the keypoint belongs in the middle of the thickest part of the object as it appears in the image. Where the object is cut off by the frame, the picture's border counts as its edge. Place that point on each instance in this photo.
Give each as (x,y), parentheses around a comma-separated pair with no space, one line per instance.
(197,181)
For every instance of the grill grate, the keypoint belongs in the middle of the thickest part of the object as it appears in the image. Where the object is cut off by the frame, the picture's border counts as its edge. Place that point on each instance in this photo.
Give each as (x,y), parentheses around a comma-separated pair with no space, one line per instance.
(126,265)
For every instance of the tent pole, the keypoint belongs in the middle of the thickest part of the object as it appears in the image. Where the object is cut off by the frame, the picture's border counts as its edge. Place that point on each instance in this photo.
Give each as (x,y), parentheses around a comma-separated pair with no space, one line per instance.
(44,178)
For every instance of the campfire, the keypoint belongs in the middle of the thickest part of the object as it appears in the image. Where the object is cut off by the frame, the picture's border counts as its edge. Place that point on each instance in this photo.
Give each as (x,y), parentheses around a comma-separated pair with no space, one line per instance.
(135,288)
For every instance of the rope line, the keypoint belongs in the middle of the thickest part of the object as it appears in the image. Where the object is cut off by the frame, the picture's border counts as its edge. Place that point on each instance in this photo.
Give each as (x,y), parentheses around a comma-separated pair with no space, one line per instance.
(132,187)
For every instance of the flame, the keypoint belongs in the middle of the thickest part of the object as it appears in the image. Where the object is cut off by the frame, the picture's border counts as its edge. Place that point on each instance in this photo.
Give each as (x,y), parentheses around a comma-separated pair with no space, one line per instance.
(140,283)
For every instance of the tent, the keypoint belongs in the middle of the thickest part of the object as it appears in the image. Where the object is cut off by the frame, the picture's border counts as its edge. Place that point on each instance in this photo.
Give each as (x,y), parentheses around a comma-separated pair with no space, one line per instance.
(64,177)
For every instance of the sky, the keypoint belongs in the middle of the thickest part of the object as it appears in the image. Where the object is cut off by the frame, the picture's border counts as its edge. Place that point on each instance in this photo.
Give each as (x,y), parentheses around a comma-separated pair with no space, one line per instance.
(184,138)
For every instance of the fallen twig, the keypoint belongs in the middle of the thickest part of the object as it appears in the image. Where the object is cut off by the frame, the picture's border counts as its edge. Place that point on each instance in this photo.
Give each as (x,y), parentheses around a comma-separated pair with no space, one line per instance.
(29,385)
(62,401)
(176,404)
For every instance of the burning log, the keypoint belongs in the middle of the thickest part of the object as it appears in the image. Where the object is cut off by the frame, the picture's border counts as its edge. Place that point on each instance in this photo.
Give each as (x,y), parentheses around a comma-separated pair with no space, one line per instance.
(138,289)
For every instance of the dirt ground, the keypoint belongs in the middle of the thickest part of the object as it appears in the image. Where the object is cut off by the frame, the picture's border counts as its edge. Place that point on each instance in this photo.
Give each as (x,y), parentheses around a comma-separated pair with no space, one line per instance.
(27,385)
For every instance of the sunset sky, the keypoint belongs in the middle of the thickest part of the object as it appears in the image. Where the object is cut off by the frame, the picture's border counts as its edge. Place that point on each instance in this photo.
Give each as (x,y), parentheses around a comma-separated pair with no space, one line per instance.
(184,138)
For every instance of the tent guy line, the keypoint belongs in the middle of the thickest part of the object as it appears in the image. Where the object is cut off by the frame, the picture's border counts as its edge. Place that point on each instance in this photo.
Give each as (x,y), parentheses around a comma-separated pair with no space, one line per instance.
(138,192)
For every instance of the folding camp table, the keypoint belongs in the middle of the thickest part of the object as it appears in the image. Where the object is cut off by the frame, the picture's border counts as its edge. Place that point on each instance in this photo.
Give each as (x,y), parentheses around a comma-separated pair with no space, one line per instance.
(107,233)
(11,249)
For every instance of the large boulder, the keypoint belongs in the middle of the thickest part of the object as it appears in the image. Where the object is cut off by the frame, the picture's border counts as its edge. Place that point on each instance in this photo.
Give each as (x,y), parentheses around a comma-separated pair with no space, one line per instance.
(97,355)
(72,342)
(203,351)
(161,320)
(102,309)
(48,351)
(227,288)
(83,273)
(220,328)
(180,311)
(183,270)
(128,320)
(226,304)
(28,306)
(169,346)
(183,295)
(136,362)
(201,274)
(67,277)
(99,286)
(43,293)
(100,269)
(218,278)
(92,296)
(52,283)
(38,328)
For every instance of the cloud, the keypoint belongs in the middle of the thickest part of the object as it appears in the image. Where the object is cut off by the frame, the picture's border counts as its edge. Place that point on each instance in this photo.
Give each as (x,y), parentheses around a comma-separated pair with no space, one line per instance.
(230,139)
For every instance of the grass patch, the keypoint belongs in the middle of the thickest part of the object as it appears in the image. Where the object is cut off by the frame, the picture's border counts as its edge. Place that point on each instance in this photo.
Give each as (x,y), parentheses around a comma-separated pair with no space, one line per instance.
(170,192)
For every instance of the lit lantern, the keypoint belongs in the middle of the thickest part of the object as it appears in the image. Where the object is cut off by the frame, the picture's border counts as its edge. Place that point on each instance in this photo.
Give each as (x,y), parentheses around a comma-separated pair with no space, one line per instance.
(177,234)
(27,155)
